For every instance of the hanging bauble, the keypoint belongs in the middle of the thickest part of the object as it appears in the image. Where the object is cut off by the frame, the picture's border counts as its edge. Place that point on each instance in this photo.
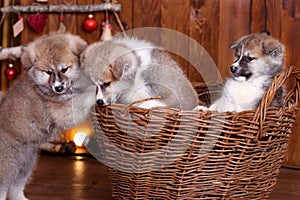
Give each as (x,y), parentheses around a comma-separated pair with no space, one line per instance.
(90,24)
(10,72)
(37,22)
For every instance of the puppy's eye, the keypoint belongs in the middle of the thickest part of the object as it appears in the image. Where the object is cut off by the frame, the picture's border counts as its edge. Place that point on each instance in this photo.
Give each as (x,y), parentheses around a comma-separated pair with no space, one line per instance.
(65,69)
(48,72)
(249,58)
(236,57)
(106,84)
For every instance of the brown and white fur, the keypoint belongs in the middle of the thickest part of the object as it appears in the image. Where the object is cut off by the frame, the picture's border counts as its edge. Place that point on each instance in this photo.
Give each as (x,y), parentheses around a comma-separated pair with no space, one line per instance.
(39,105)
(129,69)
(257,59)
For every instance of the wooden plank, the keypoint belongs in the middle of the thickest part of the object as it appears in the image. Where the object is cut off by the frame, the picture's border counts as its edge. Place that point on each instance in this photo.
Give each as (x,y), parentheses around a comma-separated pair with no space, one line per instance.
(290,37)
(234,23)
(125,16)
(257,16)
(54,19)
(147,14)
(126,13)
(175,18)
(274,17)
(204,23)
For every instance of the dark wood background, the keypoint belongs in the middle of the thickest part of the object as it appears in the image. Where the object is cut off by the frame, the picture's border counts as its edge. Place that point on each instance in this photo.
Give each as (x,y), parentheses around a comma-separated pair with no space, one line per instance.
(215,24)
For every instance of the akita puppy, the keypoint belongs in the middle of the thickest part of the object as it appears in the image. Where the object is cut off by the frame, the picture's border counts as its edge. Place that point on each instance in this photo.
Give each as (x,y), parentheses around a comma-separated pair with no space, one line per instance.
(39,105)
(257,59)
(130,69)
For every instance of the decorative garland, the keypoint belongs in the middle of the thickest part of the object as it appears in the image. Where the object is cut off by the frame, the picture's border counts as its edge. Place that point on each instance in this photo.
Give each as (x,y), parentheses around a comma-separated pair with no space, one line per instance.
(61,8)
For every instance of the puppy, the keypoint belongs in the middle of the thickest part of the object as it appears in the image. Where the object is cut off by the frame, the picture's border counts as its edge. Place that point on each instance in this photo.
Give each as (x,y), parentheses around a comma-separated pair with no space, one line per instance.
(126,70)
(257,59)
(39,105)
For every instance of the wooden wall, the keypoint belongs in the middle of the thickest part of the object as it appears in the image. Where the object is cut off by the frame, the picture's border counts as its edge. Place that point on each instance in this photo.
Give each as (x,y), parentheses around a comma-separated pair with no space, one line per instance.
(215,24)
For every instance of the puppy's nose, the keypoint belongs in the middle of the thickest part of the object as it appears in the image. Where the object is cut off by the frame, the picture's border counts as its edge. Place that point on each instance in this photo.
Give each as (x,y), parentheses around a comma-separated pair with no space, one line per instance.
(59,88)
(233,69)
(100,102)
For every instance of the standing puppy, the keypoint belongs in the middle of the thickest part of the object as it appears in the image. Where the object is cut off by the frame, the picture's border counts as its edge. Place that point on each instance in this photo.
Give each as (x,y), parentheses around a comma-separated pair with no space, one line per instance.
(257,59)
(40,104)
(129,69)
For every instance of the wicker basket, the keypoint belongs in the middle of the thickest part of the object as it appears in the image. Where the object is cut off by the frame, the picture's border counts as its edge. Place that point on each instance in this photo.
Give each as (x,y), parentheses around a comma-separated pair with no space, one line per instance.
(173,154)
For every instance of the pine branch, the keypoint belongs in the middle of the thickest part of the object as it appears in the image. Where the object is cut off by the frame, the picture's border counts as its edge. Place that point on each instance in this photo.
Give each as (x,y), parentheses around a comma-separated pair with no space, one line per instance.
(62,8)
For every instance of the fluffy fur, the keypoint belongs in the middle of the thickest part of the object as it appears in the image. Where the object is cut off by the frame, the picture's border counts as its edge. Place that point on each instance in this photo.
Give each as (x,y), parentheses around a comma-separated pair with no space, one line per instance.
(257,59)
(40,104)
(128,69)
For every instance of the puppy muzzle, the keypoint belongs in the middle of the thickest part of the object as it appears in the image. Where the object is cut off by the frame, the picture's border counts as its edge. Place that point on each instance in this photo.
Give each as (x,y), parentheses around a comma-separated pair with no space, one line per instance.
(240,73)
(233,69)
(60,89)
(103,103)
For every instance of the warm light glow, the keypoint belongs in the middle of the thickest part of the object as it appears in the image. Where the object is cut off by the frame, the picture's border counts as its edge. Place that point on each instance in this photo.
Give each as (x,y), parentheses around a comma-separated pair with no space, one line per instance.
(79,138)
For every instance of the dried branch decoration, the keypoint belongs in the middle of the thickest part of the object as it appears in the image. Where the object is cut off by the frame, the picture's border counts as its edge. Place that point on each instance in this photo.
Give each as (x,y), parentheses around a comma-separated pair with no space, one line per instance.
(12,53)
(61,8)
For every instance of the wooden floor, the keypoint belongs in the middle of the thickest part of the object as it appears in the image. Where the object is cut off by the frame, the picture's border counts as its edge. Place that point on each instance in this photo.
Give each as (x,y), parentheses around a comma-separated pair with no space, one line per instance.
(84,178)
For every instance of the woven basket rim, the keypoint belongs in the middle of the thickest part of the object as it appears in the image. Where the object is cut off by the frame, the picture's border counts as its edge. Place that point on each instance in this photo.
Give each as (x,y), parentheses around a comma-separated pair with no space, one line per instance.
(267,98)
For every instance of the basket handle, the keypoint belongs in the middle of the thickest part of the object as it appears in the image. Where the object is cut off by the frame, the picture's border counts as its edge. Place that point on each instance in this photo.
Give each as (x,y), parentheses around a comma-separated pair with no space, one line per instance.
(143,100)
(125,109)
(279,80)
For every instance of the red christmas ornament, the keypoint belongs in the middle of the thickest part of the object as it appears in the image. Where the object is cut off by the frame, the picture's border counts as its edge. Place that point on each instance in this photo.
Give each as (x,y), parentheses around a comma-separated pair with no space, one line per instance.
(37,22)
(10,72)
(90,24)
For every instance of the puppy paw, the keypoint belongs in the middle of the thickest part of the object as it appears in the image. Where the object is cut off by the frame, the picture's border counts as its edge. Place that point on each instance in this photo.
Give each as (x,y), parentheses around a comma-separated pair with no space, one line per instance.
(18,196)
(202,108)
(151,104)
(16,192)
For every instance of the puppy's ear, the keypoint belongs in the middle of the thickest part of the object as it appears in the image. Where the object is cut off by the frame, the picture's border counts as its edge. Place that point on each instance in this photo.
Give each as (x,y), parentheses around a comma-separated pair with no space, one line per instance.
(120,67)
(28,57)
(125,65)
(83,55)
(77,44)
(272,47)
(235,44)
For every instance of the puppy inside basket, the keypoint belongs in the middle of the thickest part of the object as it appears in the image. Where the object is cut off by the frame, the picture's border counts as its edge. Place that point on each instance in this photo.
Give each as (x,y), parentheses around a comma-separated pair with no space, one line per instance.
(127,70)
(257,59)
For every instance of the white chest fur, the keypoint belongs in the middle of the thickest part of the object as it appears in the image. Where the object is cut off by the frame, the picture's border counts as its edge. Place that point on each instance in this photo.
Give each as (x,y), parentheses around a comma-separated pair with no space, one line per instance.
(240,95)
